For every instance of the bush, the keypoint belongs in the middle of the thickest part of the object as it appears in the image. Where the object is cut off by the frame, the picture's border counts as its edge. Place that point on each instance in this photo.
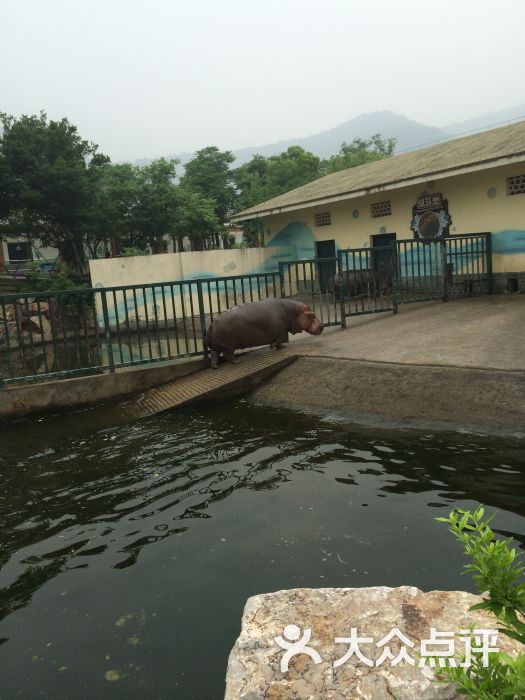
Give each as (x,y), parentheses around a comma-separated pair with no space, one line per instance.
(497,573)
(49,282)
(132,251)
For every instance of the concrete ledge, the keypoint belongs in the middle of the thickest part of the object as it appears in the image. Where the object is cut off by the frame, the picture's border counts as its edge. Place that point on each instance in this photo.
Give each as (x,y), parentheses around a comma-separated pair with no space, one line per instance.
(255,667)
(402,396)
(80,391)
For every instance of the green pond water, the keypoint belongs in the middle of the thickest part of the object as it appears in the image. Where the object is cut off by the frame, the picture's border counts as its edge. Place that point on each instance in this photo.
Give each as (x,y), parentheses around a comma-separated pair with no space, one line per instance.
(128,549)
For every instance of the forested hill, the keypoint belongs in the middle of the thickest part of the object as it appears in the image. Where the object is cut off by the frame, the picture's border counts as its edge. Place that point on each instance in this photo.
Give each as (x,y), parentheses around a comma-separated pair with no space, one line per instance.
(409,134)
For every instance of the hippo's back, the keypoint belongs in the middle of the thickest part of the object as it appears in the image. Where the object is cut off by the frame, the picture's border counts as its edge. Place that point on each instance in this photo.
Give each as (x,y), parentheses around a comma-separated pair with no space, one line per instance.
(249,325)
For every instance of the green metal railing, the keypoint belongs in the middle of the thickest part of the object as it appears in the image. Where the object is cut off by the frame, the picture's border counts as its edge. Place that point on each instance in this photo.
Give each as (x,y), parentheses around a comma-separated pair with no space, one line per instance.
(367,281)
(452,267)
(310,281)
(65,333)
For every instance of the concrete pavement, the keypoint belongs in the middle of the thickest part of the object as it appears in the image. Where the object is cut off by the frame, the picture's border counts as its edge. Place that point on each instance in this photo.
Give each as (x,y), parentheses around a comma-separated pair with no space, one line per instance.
(434,366)
(485,332)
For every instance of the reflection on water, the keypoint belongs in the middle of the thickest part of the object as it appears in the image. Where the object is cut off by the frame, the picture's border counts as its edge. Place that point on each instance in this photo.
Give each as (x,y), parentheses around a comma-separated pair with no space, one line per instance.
(128,552)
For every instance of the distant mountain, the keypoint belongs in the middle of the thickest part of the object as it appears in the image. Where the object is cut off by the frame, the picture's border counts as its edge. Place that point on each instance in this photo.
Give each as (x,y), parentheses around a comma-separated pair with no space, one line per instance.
(486,121)
(408,133)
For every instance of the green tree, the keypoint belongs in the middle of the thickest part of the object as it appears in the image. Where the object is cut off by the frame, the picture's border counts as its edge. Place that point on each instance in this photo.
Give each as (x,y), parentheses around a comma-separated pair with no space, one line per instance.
(263,178)
(195,218)
(112,212)
(291,169)
(250,180)
(48,175)
(359,152)
(209,175)
(155,212)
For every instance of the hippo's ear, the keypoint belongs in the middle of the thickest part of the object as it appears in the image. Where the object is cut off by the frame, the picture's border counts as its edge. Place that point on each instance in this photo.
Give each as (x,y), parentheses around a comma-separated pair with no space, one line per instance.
(309,313)
(305,309)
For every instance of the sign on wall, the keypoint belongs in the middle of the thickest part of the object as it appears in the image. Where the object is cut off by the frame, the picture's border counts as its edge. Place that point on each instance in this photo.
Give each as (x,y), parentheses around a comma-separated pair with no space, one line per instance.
(430,217)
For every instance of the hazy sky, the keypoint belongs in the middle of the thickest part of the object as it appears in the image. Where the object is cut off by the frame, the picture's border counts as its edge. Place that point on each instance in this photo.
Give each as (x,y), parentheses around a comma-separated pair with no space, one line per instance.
(150,78)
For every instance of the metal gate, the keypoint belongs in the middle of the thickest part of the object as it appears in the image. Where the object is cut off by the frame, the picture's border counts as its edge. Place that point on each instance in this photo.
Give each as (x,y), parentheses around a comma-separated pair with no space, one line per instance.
(453,267)
(311,281)
(374,280)
(357,281)
(366,281)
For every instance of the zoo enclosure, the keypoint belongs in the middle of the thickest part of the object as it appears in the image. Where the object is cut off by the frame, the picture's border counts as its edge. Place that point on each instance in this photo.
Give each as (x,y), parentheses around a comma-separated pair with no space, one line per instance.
(373,280)
(55,334)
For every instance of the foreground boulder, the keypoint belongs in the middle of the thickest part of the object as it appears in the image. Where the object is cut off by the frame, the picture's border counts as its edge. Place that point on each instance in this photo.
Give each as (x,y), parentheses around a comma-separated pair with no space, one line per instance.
(397,660)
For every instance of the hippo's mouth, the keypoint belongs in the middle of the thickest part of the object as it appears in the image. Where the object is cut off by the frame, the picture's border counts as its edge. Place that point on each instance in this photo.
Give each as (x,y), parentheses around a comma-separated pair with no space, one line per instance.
(317,329)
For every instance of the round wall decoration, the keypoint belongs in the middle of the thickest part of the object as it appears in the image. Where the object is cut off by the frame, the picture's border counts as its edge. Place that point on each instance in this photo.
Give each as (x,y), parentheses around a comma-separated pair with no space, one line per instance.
(430,217)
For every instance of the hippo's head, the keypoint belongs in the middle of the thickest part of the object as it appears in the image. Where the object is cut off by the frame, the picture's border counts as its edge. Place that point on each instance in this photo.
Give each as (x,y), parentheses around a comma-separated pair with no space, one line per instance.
(306,320)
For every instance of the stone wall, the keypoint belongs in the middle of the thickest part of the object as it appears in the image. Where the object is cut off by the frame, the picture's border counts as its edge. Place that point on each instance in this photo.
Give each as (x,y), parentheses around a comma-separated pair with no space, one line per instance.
(396,656)
(21,320)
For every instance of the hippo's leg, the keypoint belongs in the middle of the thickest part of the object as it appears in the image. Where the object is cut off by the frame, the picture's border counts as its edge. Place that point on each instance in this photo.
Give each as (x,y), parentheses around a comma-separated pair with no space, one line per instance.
(229,355)
(280,341)
(214,355)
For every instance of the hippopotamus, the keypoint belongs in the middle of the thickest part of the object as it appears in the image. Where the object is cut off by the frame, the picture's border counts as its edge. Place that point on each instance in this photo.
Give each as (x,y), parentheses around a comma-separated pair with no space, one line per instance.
(357,282)
(259,323)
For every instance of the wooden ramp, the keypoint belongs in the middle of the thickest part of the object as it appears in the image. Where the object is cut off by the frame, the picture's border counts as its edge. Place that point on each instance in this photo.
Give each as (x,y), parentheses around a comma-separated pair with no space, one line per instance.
(225,382)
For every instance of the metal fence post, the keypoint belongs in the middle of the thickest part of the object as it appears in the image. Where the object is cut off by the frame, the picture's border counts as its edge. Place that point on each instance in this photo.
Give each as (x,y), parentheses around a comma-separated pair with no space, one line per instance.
(341,287)
(444,282)
(107,330)
(202,319)
(488,245)
(281,277)
(394,276)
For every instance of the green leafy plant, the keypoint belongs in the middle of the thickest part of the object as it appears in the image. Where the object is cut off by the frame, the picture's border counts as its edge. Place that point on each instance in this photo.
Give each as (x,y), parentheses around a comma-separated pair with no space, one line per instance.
(497,573)
(132,251)
(39,281)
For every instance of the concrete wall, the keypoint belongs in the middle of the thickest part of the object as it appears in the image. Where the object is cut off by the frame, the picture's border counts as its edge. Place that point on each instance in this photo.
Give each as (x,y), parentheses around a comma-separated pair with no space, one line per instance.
(169,301)
(477,202)
(81,391)
(117,272)
(402,396)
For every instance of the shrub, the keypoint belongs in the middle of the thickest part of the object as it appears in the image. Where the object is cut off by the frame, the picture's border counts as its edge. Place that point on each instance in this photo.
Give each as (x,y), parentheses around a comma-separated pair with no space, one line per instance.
(49,282)
(497,572)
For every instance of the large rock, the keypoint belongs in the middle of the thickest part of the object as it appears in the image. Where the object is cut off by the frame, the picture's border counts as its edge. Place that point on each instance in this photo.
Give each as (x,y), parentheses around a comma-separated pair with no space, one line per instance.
(255,665)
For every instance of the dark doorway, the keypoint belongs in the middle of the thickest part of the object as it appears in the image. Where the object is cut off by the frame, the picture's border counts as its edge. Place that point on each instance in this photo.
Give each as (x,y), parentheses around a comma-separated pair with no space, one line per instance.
(383,260)
(19,251)
(325,249)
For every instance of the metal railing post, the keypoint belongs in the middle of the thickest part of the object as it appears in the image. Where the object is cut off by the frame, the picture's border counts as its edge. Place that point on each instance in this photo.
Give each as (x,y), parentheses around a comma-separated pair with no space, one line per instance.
(339,272)
(107,331)
(281,278)
(444,281)
(202,317)
(394,276)
(488,246)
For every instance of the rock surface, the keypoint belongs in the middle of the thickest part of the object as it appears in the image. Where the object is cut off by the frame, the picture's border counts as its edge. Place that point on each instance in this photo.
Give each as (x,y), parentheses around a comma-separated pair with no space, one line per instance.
(255,664)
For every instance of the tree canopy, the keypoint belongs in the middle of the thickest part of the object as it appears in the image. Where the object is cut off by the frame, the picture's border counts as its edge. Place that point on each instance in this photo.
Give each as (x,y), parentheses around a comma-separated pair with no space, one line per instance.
(59,188)
(48,176)
(359,152)
(264,178)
